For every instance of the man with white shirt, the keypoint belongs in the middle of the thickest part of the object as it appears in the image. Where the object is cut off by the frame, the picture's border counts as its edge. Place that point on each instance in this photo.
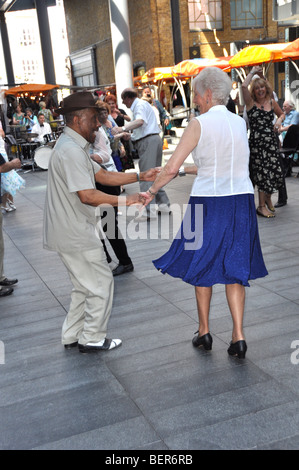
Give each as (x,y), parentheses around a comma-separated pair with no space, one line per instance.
(41,128)
(102,154)
(148,143)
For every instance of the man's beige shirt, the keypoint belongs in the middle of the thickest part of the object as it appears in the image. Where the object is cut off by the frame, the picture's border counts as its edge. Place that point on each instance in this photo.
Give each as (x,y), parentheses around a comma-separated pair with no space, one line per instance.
(69,225)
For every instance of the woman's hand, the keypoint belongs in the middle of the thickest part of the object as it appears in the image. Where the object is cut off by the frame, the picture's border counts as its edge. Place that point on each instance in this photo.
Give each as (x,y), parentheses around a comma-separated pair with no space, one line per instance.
(122,151)
(147,198)
(257,70)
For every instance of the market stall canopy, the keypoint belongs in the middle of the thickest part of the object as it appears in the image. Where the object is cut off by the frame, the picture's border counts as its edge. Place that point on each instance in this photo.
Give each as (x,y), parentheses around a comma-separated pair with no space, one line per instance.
(192,67)
(185,69)
(158,73)
(30,88)
(254,55)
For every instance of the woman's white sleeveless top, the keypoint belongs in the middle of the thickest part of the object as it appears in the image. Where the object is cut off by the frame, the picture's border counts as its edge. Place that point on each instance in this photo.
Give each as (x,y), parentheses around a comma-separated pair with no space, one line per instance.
(221,155)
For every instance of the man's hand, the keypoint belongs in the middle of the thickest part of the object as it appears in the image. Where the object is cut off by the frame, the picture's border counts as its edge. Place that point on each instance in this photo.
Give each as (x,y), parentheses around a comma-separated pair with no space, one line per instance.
(12,165)
(16,163)
(125,136)
(151,174)
(135,199)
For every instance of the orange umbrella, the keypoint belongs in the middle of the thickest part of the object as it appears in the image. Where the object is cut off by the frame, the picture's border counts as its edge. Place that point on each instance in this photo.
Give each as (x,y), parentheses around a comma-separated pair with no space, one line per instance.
(254,55)
(30,88)
(189,68)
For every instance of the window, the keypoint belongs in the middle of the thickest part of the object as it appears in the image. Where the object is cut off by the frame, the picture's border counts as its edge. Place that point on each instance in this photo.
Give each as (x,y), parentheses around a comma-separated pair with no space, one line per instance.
(246,13)
(84,67)
(205,14)
(30,69)
(27,38)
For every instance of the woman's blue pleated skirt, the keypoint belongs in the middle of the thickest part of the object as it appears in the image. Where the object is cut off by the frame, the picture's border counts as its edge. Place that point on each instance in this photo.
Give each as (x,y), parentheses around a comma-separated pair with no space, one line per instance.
(218,243)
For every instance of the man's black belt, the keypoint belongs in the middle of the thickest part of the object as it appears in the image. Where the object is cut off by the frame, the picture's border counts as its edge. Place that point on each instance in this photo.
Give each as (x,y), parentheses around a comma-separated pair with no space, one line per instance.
(145,137)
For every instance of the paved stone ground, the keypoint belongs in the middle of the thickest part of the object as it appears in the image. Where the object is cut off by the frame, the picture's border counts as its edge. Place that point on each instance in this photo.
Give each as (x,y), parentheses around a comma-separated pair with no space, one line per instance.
(156,392)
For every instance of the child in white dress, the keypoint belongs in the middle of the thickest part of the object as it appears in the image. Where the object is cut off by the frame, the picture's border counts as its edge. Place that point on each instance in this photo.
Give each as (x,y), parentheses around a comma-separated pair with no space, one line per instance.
(11,182)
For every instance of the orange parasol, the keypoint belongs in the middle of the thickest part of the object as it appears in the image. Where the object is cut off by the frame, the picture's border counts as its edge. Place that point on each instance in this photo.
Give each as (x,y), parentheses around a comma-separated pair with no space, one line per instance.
(292,50)
(254,55)
(29,88)
(189,68)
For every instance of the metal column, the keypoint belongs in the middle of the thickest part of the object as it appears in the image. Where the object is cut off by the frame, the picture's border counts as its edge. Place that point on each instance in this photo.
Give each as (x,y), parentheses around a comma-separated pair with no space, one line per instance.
(176,31)
(121,43)
(46,42)
(6,50)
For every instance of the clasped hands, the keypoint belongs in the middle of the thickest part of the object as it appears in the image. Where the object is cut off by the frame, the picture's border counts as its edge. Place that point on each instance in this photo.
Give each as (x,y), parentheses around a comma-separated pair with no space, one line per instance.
(144,198)
(120,133)
(139,199)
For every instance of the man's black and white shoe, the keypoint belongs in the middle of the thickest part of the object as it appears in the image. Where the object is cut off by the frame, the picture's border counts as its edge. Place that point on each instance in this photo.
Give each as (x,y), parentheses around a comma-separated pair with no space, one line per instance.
(4,291)
(104,345)
(8,282)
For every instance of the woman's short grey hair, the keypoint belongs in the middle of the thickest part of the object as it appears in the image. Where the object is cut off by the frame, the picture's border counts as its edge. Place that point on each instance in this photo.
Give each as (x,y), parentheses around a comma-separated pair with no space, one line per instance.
(214,79)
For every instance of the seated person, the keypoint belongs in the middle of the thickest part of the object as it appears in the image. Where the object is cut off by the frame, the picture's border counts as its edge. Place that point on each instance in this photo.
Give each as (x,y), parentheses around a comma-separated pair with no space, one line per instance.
(29,119)
(42,128)
(18,116)
(290,116)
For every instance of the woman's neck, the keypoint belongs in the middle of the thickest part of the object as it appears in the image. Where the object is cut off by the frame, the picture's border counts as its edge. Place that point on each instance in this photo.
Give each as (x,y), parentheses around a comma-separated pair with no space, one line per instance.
(263,103)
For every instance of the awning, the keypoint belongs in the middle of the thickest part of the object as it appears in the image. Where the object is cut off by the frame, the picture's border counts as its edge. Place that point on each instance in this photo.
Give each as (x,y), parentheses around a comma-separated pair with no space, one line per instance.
(30,88)
(192,67)
(254,55)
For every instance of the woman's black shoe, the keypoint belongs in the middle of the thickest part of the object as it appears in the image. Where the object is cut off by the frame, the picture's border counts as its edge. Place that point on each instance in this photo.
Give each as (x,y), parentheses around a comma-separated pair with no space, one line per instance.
(238,349)
(205,341)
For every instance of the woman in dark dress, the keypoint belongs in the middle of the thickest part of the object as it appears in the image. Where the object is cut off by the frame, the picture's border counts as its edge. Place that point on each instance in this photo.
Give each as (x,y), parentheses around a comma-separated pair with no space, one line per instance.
(265,168)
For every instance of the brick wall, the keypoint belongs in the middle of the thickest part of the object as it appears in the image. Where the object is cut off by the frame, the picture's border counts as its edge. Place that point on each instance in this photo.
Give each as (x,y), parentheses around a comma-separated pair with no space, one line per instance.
(151,32)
